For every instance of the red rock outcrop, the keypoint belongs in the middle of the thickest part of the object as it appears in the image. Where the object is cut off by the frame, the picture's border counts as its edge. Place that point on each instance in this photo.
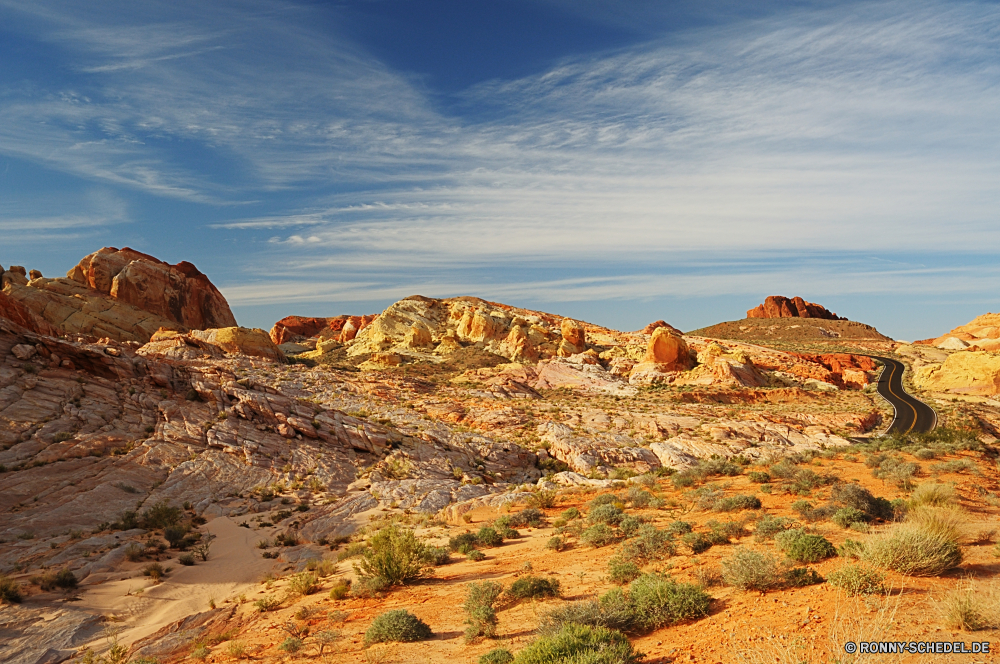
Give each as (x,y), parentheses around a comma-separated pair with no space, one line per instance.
(778,306)
(14,310)
(180,293)
(290,327)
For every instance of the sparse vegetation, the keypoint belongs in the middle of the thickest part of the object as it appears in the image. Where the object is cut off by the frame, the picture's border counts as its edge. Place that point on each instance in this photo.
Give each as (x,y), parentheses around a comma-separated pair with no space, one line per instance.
(10,590)
(393,557)
(803,547)
(574,643)
(480,609)
(529,586)
(858,580)
(747,569)
(908,549)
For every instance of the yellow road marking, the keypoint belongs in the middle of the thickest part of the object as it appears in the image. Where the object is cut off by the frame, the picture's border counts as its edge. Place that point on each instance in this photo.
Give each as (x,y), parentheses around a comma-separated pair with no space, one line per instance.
(912,407)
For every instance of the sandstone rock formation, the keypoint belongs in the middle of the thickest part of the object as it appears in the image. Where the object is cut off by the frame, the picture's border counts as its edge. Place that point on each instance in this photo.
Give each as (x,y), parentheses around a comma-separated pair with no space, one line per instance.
(982,331)
(179,293)
(971,372)
(574,338)
(212,343)
(295,328)
(660,323)
(778,306)
(122,295)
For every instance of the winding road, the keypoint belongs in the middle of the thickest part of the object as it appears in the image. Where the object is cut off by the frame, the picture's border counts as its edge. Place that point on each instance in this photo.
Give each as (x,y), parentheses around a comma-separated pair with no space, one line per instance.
(912,415)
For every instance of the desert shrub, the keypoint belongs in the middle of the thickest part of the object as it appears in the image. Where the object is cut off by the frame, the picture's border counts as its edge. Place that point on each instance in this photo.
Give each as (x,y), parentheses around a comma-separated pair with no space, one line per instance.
(489,537)
(893,468)
(948,522)
(953,466)
(851,549)
(858,580)
(768,526)
(609,514)
(529,586)
(570,514)
(845,517)
(747,569)
(803,547)
(650,543)
(630,526)
(154,571)
(759,477)
(925,454)
(437,555)
(555,544)
(544,499)
(341,589)
(697,542)
(475,555)
(935,495)
(352,550)
(236,649)
(134,552)
(603,499)
(480,609)
(598,535)
(679,527)
(509,533)
(531,516)
(10,590)
(735,503)
(187,559)
(966,609)
(465,540)
(161,515)
(611,610)
(291,645)
(580,644)
(622,571)
(784,469)
(303,583)
(397,625)
(394,556)
(175,535)
(496,656)
(852,495)
(267,603)
(723,532)
(909,550)
(286,539)
(659,600)
(369,586)
(799,577)
(640,497)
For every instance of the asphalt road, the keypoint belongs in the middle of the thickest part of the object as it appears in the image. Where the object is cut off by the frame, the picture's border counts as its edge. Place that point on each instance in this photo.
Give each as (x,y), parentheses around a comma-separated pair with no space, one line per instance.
(912,415)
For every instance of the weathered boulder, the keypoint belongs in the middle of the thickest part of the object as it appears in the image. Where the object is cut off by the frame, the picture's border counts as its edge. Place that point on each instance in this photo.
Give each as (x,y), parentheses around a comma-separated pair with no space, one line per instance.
(649,329)
(668,349)
(778,306)
(574,338)
(179,293)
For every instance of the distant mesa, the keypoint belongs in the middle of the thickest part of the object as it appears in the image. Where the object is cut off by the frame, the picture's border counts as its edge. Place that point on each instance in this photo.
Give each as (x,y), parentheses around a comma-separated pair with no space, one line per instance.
(778,306)
(981,333)
(119,294)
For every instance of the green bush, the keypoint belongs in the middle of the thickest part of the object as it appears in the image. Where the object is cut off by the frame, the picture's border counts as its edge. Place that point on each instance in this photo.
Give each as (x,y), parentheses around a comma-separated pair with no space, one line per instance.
(751,570)
(291,645)
(911,550)
(609,514)
(303,583)
(480,609)
(799,577)
(860,498)
(466,540)
(697,542)
(10,590)
(160,515)
(580,644)
(630,526)
(397,625)
(845,517)
(679,527)
(497,656)
(935,495)
(649,543)
(759,477)
(570,514)
(437,555)
(639,497)
(187,559)
(858,580)
(532,586)
(555,544)
(622,571)
(599,535)
(803,547)
(735,503)
(531,516)
(659,600)
(475,555)
(603,499)
(722,533)
(768,526)
(394,556)
(489,537)
(340,589)
(267,603)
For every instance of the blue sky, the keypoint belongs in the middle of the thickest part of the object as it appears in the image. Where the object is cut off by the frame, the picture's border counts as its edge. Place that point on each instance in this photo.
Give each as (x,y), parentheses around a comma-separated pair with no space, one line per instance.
(674,160)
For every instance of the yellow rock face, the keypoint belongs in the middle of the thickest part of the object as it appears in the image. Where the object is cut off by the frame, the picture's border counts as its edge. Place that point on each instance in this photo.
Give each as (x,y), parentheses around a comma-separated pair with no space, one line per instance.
(243,340)
(669,349)
(966,372)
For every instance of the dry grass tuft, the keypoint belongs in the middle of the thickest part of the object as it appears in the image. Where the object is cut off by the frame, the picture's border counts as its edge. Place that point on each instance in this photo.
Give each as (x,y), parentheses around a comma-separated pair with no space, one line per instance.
(969,608)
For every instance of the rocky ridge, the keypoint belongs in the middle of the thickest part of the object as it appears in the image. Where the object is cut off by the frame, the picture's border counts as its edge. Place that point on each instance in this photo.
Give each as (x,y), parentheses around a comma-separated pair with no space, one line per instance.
(779,306)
